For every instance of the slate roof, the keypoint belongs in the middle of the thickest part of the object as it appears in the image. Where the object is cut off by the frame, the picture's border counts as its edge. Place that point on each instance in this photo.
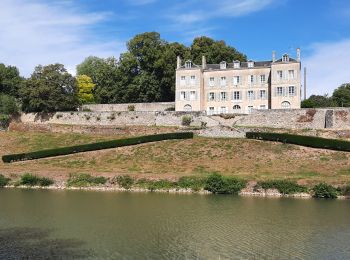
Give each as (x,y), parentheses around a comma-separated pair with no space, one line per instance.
(257,64)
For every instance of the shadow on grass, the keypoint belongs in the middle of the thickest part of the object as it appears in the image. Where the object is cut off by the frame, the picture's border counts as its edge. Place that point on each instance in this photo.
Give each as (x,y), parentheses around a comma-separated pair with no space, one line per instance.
(35,243)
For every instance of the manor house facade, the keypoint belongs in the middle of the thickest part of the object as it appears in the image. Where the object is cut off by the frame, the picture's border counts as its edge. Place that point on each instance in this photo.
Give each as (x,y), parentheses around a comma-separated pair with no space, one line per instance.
(238,87)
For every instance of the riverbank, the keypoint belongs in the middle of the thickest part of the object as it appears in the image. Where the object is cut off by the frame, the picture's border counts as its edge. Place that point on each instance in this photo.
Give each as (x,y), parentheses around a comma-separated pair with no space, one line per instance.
(170,160)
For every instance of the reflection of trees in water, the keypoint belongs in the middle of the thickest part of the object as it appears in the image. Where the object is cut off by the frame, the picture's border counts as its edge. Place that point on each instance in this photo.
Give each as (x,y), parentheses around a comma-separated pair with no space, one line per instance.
(35,243)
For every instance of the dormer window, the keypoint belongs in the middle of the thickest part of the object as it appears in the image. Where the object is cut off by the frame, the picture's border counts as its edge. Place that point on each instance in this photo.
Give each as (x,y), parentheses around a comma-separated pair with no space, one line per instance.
(285,58)
(250,64)
(188,64)
(223,65)
(236,64)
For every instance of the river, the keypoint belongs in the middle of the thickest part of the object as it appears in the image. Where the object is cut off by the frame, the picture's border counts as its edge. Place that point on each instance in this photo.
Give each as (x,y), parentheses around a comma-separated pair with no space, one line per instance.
(120,225)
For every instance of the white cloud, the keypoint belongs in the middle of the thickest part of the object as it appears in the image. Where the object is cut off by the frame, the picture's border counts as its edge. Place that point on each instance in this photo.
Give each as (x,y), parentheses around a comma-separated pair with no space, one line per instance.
(208,9)
(327,66)
(34,32)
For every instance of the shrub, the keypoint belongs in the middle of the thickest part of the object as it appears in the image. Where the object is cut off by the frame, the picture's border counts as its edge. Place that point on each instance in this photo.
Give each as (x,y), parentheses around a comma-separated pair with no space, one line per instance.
(218,184)
(8,105)
(160,185)
(32,180)
(4,121)
(190,182)
(3,181)
(345,191)
(186,120)
(310,141)
(172,108)
(131,108)
(84,180)
(325,191)
(283,186)
(95,146)
(125,181)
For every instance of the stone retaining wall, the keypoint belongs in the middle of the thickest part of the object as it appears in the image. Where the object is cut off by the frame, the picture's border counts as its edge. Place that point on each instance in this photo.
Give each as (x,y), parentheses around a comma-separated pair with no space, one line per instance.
(291,119)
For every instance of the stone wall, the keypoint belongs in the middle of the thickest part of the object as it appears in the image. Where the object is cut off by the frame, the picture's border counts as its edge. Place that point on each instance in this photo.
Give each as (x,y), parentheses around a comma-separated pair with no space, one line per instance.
(142,107)
(338,119)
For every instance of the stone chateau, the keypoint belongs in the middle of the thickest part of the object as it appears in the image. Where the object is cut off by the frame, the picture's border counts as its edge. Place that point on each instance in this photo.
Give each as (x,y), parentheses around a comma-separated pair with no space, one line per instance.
(238,87)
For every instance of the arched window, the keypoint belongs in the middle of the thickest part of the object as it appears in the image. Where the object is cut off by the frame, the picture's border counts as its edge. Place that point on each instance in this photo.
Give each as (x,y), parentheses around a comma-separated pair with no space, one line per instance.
(236,108)
(285,105)
(188,108)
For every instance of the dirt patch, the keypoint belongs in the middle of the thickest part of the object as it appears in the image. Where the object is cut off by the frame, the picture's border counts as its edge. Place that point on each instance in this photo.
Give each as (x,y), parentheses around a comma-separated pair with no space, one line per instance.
(341,115)
(308,117)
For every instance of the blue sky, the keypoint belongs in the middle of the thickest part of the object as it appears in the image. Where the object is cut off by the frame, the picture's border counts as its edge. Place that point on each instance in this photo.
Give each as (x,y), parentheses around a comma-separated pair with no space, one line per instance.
(36,32)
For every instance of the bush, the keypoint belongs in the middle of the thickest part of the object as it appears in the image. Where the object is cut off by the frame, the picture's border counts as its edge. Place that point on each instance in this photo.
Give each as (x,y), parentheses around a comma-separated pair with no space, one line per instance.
(131,108)
(283,186)
(32,180)
(160,185)
(125,181)
(310,141)
(186,120)
(8,105)
(3,181)
(345,191)
(172,108)
(85,180)
(4,121)
(218,184)
(189,182)
(95,146)
(325,191)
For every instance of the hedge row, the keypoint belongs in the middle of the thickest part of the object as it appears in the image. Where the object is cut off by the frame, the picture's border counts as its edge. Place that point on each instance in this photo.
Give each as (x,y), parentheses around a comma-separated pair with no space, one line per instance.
(310,141)
(95,146)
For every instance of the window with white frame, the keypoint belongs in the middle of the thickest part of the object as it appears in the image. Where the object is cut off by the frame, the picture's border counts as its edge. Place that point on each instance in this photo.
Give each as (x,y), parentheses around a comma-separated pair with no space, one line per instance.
(223,81)
(250,94)
(251,79)
(237,95)
(211,81)
(188,64)
(193,80)
(279,91)
(262,107)
(211,96)
(280,74)
(291,91)
(236,65)
(223,96)
(285,105)
(192,95)
(262,94)
(222,65)
(250,64)
(291,74)
(183,95)
(211,110)
(236,80)
(223,110)
(183,81)
(250,109)
(262,79)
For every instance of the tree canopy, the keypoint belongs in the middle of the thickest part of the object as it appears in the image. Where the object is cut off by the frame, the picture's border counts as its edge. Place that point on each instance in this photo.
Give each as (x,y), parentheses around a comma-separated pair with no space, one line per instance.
(50,88)
(10,80)
(146,72)
(341,95)
(85,87)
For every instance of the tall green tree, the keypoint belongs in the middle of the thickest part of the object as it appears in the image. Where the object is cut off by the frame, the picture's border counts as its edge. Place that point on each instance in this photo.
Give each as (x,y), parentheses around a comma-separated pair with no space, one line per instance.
(10,80)
(341,95)
(85,88)
(315,101)
(215,51)
(50,88)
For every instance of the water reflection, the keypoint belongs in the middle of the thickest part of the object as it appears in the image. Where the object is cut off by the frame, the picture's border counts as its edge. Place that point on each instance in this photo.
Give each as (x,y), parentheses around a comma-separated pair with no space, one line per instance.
(36,243)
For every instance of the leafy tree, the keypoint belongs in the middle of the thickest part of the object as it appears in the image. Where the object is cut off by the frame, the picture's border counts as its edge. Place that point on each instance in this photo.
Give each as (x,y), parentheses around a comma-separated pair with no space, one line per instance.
(342,95)
(50,88)
(316,101)
(85,86)
(10,80)
(215,51)
(8,105)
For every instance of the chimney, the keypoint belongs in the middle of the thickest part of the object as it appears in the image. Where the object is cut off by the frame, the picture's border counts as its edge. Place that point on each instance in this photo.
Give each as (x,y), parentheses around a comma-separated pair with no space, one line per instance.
(273,56)
(204,62)
(178,64)
(298,54)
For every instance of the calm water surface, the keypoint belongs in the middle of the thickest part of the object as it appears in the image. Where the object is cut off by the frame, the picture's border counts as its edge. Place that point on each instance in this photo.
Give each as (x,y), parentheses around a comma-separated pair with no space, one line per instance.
(96,225)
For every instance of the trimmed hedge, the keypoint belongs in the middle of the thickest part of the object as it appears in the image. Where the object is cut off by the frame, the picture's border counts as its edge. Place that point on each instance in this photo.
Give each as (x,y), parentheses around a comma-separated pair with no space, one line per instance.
(309,141)
(95,146)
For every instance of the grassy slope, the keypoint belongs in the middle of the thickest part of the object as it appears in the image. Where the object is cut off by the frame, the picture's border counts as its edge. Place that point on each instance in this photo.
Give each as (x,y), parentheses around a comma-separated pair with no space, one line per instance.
(249,159)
